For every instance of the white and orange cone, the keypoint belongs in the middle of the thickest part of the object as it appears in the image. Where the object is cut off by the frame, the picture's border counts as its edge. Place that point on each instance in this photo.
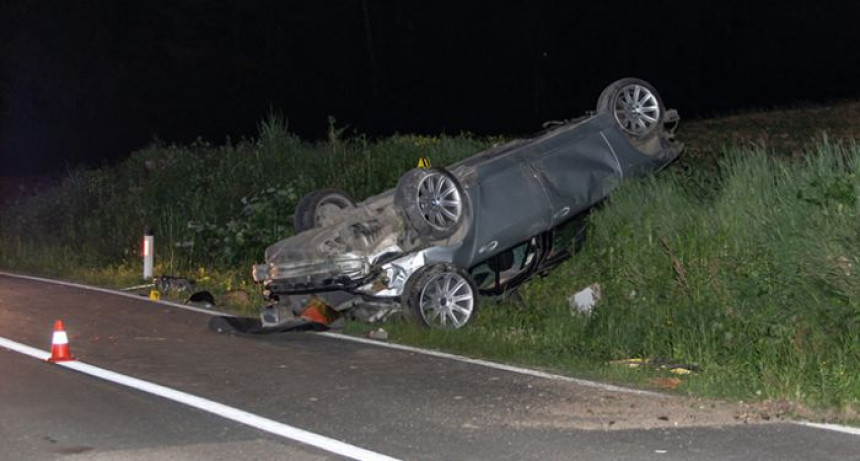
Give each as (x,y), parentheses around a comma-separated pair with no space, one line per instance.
(60,351)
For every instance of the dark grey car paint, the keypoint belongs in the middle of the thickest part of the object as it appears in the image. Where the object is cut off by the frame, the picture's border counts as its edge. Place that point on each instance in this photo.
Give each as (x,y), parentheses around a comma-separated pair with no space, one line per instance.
(538,184)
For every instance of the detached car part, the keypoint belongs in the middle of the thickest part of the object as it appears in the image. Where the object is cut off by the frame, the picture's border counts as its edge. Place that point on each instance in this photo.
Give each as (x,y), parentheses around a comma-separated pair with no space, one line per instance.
(444,237)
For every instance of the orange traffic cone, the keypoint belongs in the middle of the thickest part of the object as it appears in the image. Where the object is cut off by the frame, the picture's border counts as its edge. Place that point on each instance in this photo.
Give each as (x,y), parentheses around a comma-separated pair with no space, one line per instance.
(60,344)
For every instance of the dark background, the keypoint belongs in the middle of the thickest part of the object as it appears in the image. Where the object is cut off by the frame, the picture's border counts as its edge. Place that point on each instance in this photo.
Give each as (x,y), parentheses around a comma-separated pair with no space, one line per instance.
(86,82)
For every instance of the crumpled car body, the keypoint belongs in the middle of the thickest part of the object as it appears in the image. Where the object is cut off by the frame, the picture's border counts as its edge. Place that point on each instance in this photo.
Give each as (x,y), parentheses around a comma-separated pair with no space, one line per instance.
(480,227)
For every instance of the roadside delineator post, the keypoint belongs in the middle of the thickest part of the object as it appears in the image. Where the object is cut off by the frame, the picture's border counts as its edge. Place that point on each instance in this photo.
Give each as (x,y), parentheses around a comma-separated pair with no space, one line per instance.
(60,351)
(148,250)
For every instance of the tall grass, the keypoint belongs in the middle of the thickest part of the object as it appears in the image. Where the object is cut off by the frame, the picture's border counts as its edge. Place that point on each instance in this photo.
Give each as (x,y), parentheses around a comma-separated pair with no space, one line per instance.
(748,268)
(756,281)
(759,282)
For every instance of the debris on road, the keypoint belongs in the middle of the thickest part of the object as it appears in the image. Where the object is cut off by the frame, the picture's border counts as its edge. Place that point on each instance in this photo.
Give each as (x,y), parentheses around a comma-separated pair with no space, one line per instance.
(254,326)
(314,315)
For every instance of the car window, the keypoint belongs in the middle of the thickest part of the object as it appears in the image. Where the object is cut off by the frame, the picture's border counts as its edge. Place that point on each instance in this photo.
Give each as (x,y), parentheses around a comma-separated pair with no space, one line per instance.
(499,269)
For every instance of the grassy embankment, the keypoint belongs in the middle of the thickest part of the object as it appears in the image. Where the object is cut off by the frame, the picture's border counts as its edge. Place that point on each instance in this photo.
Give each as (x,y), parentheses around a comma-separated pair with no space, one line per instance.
(742,257)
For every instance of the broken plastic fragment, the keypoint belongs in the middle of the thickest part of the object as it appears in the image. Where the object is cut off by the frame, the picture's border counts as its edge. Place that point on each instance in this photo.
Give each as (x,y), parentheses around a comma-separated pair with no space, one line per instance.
(378,333)
(583,302)
(318,311)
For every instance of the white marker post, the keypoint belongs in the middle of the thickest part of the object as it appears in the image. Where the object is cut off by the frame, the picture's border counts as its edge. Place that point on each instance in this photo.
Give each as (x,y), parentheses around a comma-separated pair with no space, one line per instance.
(148,251)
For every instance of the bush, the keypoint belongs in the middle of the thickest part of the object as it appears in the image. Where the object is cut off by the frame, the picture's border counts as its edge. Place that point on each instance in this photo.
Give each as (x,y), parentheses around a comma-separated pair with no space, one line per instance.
(216,206)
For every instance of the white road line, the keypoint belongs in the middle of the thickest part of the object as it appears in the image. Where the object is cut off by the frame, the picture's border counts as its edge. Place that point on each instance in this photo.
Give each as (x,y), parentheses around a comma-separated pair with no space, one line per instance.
(484,363)
(432,353)
(24,349)
(240,416)
(496,366)
(117,293)
(831,427)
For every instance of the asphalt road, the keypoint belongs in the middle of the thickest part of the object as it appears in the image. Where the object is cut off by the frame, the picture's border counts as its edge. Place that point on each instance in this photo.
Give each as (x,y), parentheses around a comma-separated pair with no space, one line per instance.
(397,403)
(49,412)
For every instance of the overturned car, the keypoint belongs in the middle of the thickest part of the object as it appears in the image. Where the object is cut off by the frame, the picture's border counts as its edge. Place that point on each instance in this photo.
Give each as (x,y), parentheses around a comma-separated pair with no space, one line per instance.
(444,237)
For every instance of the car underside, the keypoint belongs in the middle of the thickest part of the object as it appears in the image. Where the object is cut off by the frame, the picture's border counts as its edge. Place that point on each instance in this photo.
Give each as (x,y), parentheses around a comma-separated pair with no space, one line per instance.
(481,227)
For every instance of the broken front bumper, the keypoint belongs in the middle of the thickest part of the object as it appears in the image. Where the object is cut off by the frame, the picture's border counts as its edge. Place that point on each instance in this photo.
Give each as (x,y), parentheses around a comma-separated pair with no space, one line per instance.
(339,273)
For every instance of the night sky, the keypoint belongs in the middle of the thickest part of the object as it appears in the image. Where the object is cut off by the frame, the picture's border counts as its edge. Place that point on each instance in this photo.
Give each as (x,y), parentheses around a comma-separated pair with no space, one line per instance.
(87,82)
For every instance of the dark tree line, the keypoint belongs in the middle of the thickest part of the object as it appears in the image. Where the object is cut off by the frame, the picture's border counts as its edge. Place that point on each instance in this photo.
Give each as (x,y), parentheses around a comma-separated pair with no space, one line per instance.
(83,81)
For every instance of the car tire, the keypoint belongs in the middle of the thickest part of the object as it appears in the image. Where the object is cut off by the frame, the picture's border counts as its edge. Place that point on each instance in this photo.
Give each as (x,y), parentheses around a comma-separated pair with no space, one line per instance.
(320,208)
(635,107)
(432,201)
(440,296)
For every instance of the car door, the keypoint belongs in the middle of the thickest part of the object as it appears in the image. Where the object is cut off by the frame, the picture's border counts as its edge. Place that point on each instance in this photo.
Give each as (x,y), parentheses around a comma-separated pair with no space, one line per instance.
(509,206)
(577,169)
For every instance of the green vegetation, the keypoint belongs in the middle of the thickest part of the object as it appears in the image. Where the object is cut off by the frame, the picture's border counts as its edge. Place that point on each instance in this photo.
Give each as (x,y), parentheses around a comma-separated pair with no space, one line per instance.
(756,282)
(743,257)
(210,206)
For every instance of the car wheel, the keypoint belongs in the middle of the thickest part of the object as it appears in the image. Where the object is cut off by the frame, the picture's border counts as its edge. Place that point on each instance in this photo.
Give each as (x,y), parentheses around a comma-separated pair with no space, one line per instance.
(634,105)
(432,201)
(440,296)
(320,208)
